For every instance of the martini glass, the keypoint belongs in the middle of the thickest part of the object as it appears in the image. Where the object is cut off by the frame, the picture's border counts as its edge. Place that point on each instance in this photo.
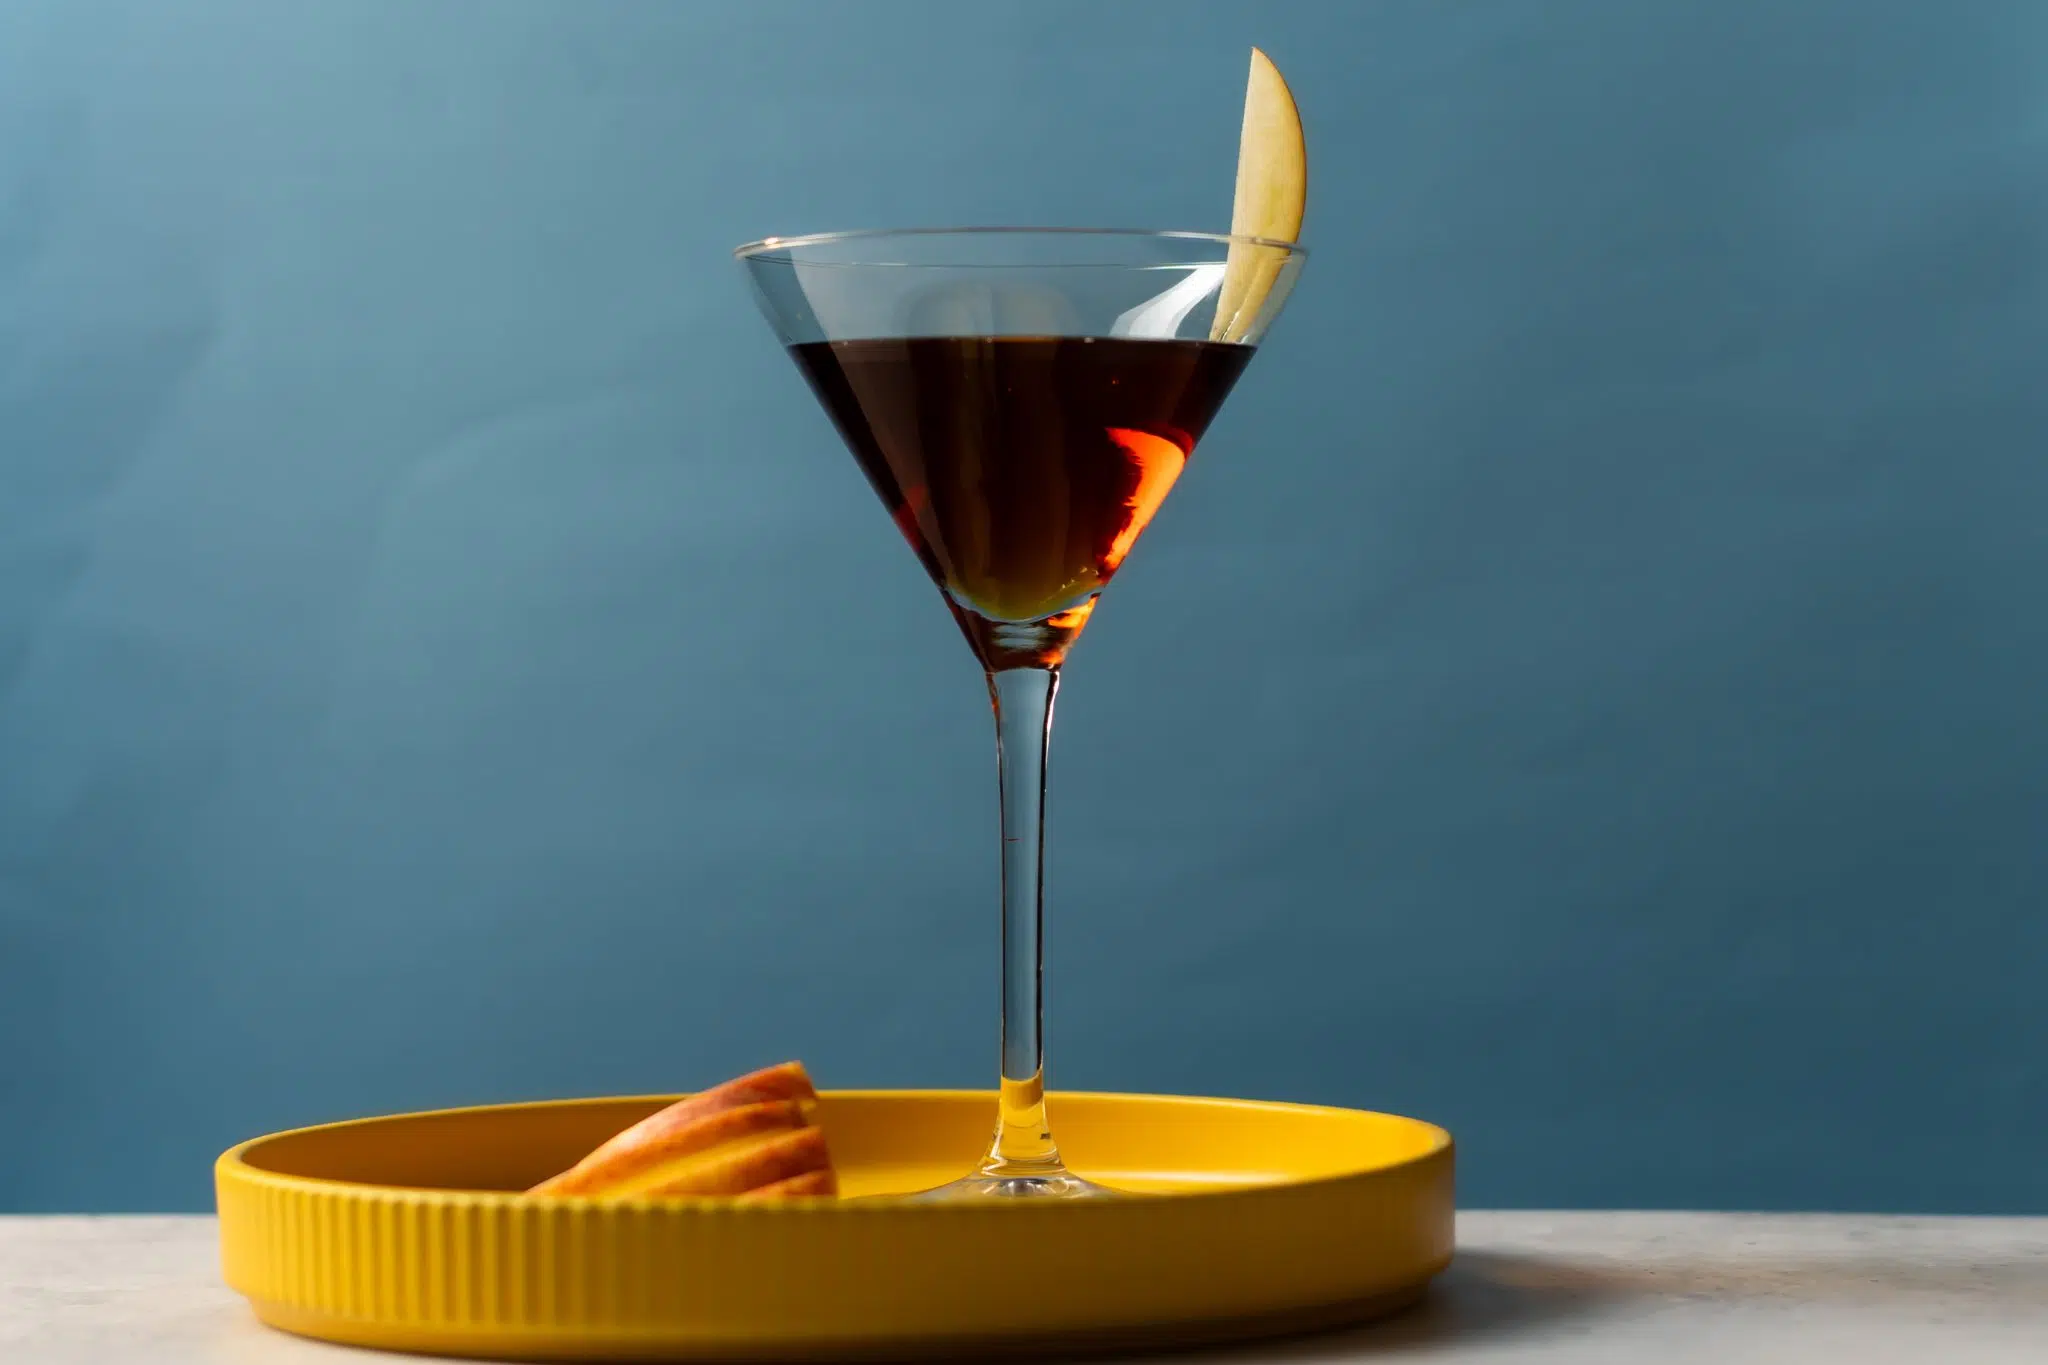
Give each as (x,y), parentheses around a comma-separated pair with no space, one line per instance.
(1022,399)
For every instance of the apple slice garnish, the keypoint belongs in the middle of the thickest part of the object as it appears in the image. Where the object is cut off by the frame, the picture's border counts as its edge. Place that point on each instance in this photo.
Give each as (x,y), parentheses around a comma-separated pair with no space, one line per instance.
(755,1137)
(1272,195)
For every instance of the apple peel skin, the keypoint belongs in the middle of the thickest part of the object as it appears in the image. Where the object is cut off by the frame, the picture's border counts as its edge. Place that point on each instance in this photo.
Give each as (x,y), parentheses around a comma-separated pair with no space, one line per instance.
(755,1136)
(810,1185)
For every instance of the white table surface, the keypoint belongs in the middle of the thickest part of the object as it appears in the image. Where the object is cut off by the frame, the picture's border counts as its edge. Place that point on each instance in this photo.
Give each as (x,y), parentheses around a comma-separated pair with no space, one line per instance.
(1589,1288)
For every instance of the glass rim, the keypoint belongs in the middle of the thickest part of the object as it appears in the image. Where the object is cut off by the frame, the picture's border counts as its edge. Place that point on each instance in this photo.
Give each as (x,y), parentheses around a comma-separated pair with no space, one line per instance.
(769,247)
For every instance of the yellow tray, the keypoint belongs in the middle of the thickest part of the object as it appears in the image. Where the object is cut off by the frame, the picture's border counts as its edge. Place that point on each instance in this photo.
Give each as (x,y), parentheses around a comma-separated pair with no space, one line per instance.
(404,1232)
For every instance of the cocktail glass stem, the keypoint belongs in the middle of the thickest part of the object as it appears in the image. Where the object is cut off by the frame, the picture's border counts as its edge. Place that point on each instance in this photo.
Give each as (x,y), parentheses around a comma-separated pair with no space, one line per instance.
(1023,1161)
(1022,699)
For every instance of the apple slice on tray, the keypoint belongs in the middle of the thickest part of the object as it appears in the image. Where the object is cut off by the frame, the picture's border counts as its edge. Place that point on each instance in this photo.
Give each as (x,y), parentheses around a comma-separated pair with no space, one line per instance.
(755,1137)
(1272,196)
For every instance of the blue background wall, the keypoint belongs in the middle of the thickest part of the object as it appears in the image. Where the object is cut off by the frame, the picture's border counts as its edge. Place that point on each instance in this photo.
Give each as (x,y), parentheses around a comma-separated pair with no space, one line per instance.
(1588,690)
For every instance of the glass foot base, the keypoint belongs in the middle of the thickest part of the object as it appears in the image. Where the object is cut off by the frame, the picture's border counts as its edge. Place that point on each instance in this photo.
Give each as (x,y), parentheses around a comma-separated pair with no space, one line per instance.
(1050,1185)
